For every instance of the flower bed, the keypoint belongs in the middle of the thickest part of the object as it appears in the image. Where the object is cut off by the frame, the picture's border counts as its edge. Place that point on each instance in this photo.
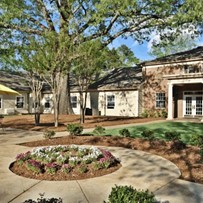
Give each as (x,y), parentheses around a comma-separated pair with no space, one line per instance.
(64,162)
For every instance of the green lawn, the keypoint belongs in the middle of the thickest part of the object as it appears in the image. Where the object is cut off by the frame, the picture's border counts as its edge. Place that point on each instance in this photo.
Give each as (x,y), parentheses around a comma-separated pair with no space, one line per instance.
(186,129)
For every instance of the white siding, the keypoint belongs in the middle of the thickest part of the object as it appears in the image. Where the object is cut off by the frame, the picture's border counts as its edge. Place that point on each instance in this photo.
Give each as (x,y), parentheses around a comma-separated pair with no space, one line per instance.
(9,104)
(126,103)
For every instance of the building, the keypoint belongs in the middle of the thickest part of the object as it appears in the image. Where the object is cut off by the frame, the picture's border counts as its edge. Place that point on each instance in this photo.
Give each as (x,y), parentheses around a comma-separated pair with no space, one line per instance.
(115,94)
(171,86)
(175,84)
(12,104)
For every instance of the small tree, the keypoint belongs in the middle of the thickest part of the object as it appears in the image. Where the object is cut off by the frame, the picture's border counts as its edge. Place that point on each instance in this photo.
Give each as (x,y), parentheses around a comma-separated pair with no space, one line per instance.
(91,61)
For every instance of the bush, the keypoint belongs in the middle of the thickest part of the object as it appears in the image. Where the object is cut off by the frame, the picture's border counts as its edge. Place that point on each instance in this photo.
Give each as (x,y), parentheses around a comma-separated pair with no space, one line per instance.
(74,129)
(48,134)
(44,200)
(164,113)
(127,194)
(196,140)
(124,132)
(148,134)
(99,130)
(175,137)
(172,135)
(178,145)
(145,114)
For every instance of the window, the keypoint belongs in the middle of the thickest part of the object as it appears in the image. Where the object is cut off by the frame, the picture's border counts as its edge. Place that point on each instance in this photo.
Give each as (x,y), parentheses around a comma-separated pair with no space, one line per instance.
(110,102)
(19,102)
(190,69)
(160,100)
(47,103)
(74,101)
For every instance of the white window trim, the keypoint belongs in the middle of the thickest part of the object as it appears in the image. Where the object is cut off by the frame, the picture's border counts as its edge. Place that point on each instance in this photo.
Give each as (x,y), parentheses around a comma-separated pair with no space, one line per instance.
(75,102)
(158,107)
(47,100)
(114,103)
(23,102)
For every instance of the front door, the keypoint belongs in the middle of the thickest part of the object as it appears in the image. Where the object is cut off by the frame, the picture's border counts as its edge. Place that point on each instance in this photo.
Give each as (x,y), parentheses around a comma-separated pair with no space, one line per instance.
(193,105)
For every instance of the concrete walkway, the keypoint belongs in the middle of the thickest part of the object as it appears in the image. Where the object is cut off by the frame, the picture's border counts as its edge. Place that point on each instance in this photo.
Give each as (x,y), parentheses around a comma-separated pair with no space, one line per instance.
(139,169)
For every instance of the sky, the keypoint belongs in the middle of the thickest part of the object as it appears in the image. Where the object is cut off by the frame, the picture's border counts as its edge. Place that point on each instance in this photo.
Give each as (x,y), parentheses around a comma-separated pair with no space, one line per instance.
(141,51)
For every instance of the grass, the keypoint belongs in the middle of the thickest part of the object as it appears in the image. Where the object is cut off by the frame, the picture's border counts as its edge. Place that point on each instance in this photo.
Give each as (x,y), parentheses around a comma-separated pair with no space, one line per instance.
(186,129)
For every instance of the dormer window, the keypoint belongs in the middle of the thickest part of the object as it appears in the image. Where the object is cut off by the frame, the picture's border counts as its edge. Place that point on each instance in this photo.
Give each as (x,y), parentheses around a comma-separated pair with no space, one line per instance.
(189,69)
(192,69)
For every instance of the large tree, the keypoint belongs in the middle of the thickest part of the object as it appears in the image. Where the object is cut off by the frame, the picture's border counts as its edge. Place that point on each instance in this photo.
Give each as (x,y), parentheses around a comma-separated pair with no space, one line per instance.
(126,56)
(166,47)
(79,21)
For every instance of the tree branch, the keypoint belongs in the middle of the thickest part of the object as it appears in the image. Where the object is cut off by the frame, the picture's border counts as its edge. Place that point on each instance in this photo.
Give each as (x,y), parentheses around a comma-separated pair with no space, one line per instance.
(19,28)
(46,14)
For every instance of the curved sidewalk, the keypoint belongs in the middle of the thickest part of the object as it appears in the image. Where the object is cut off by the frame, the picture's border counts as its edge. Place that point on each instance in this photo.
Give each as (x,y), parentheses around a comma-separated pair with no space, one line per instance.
(139,169)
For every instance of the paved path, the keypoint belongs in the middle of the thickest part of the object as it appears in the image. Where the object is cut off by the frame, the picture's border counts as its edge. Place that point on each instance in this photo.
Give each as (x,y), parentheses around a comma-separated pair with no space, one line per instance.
(139,169)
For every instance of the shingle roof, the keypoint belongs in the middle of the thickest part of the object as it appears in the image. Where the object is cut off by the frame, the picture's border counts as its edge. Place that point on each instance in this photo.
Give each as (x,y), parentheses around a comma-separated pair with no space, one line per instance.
(120,78)
(193,54)
(14,80)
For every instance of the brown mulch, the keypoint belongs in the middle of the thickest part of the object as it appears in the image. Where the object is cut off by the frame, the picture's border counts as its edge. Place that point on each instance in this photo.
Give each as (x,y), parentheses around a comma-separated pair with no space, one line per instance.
(26,122)
(22,170)
(187,160)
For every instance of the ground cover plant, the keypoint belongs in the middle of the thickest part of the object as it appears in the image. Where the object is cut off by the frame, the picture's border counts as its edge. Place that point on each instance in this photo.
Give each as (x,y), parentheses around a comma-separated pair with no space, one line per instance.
(53,162)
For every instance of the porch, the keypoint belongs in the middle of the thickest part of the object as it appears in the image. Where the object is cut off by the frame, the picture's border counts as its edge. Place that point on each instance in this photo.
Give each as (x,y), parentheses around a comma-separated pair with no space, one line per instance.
(185,97)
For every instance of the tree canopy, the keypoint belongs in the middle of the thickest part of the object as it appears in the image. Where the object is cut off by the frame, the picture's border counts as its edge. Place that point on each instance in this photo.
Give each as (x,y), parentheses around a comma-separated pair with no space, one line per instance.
(84,20)
(167,47)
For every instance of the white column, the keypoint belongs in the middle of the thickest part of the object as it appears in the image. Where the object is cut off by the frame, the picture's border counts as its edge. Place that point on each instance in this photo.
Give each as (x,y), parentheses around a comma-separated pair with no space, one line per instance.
(170,101)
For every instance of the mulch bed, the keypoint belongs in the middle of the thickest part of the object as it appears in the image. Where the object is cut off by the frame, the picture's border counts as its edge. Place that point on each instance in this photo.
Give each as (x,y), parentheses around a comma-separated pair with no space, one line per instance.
(187,159)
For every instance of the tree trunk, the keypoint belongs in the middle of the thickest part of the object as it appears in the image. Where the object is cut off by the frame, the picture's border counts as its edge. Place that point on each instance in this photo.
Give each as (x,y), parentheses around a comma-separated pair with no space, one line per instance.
(37,118)
(65,103)
(69,107)
(56,115)
(82,115)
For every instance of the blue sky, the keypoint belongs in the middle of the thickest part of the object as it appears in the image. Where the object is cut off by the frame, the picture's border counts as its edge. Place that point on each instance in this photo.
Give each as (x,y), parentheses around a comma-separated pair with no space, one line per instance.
(141,50)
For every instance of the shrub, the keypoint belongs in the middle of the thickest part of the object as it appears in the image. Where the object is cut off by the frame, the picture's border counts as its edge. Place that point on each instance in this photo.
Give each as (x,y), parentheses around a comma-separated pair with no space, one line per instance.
(164,113)
(74,129)
(148,134)
(196,140)
(178,145)
(99,130)
(127,194)
(124,132)
(145,114)
(48,134)
(175,137)
(172,135)
(44,200)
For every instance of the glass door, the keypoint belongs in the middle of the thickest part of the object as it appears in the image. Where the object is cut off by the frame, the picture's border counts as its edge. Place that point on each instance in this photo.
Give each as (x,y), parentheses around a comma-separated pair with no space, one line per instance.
(199,105)
(193,105)
(188,105)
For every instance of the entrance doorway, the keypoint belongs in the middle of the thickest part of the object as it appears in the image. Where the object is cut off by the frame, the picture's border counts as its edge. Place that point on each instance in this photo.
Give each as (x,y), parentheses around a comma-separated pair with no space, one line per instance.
(192,104)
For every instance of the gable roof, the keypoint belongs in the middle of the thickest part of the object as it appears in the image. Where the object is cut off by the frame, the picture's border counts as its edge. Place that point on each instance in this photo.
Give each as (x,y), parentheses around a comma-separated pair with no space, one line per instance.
(122,78)
(14,80)
(195,54)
